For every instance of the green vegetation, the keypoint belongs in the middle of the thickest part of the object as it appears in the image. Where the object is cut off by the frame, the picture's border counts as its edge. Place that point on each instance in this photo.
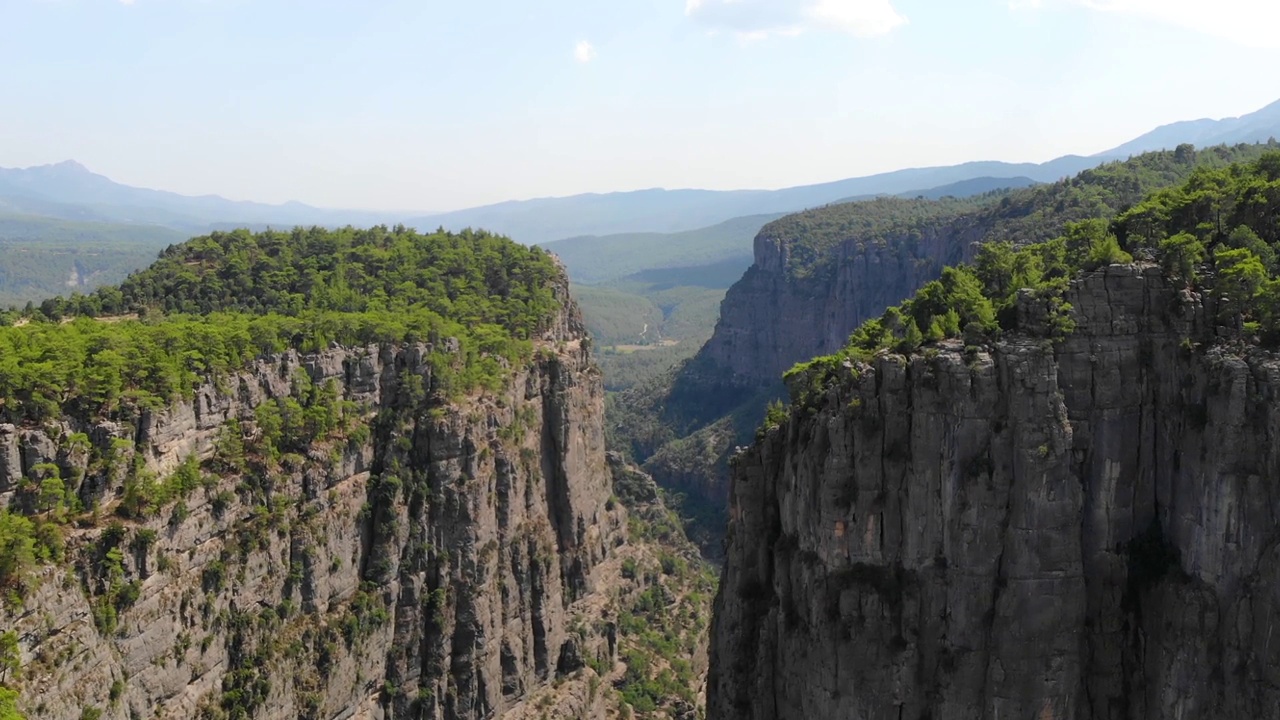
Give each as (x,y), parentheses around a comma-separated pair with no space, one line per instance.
(684,423)
(10,671)
(211,305)
(614,317)
(24,543)
(775,413)
(603,259)
(9,705)
(207,309)
(645,323)
(660,629)
(43,256)
(203,312)
(470,277)
(665,607)
(626,367)
(639,336)
(1216,231)
(814,235)
(689,297)
(1032,214)
(10,658)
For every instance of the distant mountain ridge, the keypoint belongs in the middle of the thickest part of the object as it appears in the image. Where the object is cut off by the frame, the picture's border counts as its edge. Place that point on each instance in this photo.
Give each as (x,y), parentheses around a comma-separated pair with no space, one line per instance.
(667,211)
(1259,126)
(601,258)
(69,191)
(975,186)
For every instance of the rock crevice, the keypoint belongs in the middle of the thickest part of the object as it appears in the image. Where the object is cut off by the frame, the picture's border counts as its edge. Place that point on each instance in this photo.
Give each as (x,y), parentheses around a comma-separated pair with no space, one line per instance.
(1080,530)
(427,568)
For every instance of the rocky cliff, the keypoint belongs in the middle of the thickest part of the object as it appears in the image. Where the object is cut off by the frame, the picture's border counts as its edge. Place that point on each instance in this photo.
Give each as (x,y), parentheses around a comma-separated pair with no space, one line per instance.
(770,320)
(819,274)
(431,560)
(1018,530)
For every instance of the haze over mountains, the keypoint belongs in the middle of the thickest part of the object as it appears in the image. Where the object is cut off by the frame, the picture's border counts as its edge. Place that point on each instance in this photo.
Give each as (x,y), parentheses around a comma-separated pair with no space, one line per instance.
(665,211)
(1257,126)
(70,191)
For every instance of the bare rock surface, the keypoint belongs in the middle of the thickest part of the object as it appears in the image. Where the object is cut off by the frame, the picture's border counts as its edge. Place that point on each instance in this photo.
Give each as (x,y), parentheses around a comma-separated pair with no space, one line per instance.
(453,561)
(1023,530)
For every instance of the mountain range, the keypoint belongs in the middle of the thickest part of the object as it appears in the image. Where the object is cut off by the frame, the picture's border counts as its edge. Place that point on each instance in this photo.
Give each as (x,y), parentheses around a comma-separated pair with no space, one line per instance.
(602,258)
(1258,126)
(70,191)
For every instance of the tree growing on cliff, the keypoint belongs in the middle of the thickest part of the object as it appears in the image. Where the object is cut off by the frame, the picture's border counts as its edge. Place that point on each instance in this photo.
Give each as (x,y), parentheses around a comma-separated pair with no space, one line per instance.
(1231,209)
(9,705)
(1244,237)
(1240,276)
(18,550)
(10,656)
(1180,254)
(1090,244)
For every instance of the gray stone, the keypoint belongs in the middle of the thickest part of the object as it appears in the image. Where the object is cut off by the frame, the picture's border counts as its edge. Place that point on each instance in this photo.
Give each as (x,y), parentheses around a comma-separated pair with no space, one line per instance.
(1078,532)
(476,565)
(769,321)
(10,458)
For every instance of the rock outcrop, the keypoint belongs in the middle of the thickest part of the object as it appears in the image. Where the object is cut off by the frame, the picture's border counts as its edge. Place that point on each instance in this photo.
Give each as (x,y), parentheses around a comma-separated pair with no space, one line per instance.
(819,274)
(441,564)
(1085,530)
(770,320)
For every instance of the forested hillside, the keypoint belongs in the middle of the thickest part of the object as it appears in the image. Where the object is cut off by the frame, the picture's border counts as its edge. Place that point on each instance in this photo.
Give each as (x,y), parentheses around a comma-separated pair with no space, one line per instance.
(1084,423)
(1218,232)
(215,303)
(814,239)
(277,474)
(596,259)
(645,323)
(820,274)
(44,257)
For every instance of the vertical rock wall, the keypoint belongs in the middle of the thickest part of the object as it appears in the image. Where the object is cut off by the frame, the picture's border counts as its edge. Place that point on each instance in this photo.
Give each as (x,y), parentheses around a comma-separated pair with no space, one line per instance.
(770,321)
(1017,531)
(423,569)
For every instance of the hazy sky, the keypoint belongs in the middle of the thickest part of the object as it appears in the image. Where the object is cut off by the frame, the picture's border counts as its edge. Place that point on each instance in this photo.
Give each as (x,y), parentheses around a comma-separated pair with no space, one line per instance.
(434,105)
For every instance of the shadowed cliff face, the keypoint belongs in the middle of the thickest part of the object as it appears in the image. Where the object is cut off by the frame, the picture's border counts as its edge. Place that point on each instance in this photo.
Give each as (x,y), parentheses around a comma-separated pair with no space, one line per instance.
(770,320)
(440,565)
(819,274)
(1017,531)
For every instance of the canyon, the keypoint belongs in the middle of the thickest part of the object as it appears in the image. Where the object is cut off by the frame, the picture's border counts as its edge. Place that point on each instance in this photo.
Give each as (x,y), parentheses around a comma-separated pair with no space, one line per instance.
(431,559)
(1016,529)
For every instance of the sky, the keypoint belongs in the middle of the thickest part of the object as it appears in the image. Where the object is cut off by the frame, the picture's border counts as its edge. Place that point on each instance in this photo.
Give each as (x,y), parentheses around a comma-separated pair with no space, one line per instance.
(430,105)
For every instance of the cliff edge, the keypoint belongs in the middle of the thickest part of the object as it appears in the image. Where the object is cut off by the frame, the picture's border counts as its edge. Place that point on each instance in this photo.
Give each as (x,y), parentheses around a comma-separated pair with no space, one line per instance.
(1017,530)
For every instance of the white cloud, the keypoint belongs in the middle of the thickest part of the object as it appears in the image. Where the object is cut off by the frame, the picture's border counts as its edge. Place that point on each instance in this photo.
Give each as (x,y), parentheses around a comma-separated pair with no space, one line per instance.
(758,19)
(1247,22)
(859,18)
(584,52)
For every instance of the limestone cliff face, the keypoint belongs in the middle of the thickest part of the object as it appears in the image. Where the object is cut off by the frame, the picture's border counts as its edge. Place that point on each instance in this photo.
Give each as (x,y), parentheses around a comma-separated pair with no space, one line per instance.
(770,320)
(430,568)
(1017,531)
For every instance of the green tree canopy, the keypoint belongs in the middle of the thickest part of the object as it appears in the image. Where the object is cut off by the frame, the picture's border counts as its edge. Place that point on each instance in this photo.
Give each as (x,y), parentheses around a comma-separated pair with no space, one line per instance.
(1232,210)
